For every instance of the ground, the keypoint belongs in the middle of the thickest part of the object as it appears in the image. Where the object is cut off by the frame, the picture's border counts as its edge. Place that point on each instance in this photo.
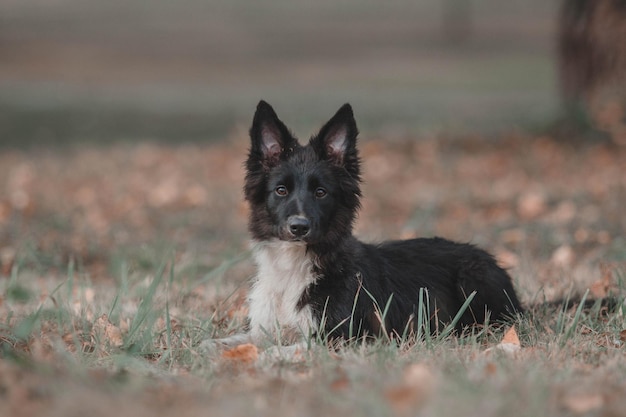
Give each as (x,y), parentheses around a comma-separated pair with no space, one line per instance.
(117,261)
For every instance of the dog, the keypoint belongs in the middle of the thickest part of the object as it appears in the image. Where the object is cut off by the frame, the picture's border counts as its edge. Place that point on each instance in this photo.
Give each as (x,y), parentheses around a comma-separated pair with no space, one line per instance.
(316,279)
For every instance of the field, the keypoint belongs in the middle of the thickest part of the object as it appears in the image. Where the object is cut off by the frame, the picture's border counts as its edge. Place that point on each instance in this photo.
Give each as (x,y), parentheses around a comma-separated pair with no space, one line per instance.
(111,281)
(123,241)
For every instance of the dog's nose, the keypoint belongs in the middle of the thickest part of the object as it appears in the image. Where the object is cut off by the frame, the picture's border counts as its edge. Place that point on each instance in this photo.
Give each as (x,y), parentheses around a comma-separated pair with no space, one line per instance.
(299,226)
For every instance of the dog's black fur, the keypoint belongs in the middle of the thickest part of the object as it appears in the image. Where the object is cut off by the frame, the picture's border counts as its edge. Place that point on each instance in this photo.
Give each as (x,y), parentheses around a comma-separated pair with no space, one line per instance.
(310,195)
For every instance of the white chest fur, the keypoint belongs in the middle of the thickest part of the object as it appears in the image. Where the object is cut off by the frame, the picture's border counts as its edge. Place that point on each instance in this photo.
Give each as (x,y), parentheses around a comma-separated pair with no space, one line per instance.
(285,270)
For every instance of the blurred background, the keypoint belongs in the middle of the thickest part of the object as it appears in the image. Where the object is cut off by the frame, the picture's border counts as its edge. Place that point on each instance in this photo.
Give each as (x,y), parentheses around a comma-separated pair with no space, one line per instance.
(87,70)
(124,123)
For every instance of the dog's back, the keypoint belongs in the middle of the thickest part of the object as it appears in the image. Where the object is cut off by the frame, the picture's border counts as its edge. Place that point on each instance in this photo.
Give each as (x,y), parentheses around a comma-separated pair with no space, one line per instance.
(384,294)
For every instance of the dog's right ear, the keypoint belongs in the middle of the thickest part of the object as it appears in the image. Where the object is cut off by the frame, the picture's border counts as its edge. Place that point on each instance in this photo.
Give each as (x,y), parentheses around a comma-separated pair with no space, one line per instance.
(270,137)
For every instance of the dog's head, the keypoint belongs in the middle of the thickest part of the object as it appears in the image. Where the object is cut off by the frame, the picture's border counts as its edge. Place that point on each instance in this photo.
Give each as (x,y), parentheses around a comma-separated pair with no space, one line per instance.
(302,193)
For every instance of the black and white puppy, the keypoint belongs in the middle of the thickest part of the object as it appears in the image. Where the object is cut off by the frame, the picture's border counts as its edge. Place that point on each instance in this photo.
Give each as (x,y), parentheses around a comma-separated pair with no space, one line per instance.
(315,277)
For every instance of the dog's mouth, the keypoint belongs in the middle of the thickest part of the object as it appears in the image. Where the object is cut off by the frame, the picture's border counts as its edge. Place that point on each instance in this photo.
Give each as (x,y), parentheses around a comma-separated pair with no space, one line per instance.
(287,236)
(296,240)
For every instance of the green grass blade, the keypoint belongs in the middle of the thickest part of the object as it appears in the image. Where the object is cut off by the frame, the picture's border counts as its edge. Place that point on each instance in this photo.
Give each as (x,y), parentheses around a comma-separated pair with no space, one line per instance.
(452,325)
(145,308)
(570,331)
(351,324)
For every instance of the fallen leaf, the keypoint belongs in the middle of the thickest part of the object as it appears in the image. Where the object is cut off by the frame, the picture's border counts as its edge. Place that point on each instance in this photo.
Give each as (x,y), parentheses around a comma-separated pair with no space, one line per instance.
(418,375)
(402,398)
(513,236)
(341,382)
(583,403)
(581,235)
(601,288)
(563,256)
(106,332)
(245,353)
(511,337)
(531,204)
(510,343)
(507,259)
(7,257)
(417,385)
(490,368)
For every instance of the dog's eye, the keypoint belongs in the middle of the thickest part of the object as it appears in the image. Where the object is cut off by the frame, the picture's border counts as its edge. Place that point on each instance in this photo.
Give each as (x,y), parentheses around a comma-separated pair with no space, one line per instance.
(320,193)
(281,190)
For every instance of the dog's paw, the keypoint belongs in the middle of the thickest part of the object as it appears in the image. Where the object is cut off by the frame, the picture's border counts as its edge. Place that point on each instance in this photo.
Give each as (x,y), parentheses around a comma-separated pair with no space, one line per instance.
(216,346)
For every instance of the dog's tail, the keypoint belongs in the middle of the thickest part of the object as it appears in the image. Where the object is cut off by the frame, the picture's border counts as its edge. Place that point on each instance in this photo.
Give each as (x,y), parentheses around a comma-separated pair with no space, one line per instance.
(605,305)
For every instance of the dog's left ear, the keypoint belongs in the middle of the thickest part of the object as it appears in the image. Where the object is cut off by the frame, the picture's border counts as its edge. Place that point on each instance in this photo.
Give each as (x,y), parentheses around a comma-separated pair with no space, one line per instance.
(270,138)
(336,141)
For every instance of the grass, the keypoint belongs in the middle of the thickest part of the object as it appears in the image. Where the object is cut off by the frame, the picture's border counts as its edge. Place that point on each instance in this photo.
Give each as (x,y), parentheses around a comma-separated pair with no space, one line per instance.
(105,314)
(61,337)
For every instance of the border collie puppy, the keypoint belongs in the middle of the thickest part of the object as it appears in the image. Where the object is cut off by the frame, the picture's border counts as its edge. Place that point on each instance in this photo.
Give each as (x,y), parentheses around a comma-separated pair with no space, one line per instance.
(315,277)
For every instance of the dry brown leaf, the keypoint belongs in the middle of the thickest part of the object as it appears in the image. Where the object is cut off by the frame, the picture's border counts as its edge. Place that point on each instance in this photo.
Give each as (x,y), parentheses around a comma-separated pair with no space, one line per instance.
(106,332)
(563,256)
(5,211)
(341,382)
(582,235)
(418,375)
(513,236)
(402,398)
(583,403)
(511,337)
(510,343)
(490,369)
(114,335)
(601,288)
(531,205)
(7,257)
(507,259)
(245,353)
(417,385)
(75,341)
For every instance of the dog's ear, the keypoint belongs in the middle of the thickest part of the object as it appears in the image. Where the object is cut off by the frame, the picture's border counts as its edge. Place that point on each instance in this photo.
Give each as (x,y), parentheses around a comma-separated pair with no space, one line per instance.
(336,141)
(270,137)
